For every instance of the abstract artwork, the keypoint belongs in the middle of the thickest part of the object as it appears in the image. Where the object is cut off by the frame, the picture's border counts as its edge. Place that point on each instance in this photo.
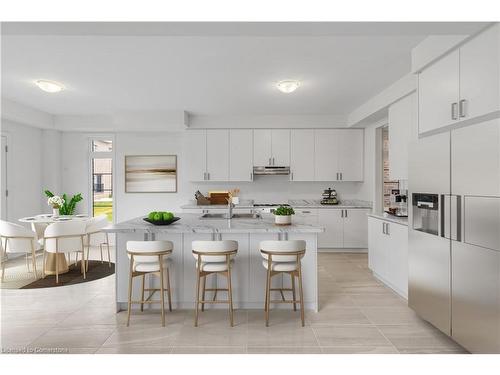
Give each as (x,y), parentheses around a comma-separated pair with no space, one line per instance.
(151,174)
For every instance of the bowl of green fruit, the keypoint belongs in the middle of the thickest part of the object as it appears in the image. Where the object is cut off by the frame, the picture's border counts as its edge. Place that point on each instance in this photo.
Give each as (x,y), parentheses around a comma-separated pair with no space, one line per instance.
(161,218)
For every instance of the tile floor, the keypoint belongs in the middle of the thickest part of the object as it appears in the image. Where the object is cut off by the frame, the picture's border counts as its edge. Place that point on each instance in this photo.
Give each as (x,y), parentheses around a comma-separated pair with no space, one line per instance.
(358,315)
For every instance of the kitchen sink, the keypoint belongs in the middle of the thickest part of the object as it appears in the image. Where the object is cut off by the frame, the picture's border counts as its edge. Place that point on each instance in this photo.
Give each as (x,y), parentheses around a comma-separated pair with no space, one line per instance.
(235,216)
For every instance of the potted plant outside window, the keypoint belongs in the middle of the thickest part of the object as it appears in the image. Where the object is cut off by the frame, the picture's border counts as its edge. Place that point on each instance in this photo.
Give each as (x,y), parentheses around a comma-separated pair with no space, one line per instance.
(283,215)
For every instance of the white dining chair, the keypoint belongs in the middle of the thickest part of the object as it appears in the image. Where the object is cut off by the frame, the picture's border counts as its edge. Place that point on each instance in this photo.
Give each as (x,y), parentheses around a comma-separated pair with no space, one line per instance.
(66,237)
(283,257)
(95,234)
(18,239)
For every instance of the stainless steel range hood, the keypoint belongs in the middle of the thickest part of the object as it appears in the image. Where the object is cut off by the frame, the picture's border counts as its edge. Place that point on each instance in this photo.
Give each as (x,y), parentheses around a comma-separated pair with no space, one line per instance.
(271,171)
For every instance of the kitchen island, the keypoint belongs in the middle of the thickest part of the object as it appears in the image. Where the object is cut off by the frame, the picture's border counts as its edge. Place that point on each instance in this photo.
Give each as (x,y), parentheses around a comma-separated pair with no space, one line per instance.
(248,274)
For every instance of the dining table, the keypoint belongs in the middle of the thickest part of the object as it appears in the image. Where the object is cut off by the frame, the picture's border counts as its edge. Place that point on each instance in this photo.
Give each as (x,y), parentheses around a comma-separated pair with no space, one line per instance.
(38,225)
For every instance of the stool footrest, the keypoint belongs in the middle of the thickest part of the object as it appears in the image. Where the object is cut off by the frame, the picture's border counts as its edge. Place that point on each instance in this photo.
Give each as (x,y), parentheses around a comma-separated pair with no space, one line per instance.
(217,301)
(286,301)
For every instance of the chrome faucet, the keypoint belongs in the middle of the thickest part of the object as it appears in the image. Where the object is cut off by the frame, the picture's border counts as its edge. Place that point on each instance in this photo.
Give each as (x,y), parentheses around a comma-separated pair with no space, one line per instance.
(230,206)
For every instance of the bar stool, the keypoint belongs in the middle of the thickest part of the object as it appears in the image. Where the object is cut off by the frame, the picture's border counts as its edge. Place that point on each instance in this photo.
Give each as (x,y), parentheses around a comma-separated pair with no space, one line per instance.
(213,257)
(283,257)
(149,257)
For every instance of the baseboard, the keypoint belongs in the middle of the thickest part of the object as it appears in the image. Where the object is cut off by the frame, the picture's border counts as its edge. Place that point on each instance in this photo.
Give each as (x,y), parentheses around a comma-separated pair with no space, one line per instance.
(346,250)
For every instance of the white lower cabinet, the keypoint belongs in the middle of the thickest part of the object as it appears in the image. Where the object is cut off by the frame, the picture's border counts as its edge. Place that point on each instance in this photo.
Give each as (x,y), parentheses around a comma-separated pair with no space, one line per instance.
(388,253)
(344,228)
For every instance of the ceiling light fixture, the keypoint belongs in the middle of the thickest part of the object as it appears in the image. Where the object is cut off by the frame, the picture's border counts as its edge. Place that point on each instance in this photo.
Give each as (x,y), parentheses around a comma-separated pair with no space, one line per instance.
(287,86)
(49,86)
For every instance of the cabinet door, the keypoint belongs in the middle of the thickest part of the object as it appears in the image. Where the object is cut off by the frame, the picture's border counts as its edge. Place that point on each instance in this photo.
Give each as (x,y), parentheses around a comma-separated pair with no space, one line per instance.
(196,154)
(350,147)
(377,247)
(356,228)
(475,155)
(305,216)
(240,154)
(332,220)
(438,89)
(398,258)
(261,147)
(280,147)
(480,74)
(302,155)
(218,155)
(325,155)
(401,115)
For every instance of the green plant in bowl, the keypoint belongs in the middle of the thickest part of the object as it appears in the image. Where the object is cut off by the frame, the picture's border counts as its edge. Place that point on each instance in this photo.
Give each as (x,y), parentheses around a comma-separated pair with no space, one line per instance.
(284,211)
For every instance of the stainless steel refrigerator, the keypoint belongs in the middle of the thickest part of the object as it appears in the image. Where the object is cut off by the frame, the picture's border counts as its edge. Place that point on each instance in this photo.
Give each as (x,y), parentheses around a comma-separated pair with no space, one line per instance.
(454,234)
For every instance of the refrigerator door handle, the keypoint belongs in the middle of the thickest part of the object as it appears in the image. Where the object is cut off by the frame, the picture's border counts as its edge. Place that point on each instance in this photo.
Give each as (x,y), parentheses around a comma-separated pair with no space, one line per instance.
(456,217)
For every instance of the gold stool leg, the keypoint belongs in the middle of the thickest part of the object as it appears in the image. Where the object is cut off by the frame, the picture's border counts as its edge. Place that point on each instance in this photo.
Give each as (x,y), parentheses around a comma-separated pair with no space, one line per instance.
(143,278)
(168,291)
(301,295)
(230,291)
(130,289)
(203,288)
(292,275)
(197,292)
(162,293)
(268,290)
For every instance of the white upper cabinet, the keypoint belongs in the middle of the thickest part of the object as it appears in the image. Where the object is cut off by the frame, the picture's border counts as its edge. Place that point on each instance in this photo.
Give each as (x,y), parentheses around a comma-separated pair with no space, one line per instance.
(280,147)
(338,154)
(217,155)
(480,74)
(438,93)
(262,149)
(401,118)
(240,154)
(350,144)
(326,155)
(302,155)
(271,147)
(196,154)
(463,85)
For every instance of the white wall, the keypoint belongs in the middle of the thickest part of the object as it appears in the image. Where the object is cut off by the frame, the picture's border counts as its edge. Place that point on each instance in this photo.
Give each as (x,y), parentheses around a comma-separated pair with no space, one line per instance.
(24,172)
(76,172)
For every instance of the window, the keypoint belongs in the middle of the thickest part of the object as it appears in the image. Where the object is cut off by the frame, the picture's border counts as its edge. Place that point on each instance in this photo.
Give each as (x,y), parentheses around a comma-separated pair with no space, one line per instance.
(102,177)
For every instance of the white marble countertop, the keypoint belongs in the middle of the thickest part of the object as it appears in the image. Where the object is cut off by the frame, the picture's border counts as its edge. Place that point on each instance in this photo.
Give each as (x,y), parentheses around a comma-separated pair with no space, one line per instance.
(391,218)
(296,203)
(191,223)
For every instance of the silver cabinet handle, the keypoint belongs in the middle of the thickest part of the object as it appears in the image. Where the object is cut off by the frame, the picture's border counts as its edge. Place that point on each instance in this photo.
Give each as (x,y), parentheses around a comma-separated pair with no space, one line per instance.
(269,161)
(337,176)
(387,227)
(251,176)
(345,213)
(454,114)
(341,177)
(273,161)
(461,107)
(306,212)
(204,176)
(341,213)
(291,176)
(208,176)
(383,227)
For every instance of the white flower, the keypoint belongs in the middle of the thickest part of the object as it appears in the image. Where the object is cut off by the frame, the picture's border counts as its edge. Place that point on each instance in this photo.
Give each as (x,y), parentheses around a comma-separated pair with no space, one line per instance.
(56,201)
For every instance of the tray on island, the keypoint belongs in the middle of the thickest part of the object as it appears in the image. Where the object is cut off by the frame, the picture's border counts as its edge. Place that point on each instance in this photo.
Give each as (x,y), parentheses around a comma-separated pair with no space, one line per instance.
(162,222)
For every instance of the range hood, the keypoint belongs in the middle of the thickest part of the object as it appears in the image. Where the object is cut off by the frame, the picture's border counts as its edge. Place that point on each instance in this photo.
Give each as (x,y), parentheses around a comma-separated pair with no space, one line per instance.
(271,171)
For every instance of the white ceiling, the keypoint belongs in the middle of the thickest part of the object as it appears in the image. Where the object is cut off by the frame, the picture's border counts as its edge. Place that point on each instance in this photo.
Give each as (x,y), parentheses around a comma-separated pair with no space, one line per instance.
(208,69)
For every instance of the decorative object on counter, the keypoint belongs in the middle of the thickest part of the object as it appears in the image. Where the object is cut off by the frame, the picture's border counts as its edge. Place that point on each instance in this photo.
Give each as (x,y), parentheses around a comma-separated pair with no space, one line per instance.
(233,193)
(283,215)
(61,205)
(401,209)
(161,218)
(151,174)
(201,200)
(329,197)
(219,197)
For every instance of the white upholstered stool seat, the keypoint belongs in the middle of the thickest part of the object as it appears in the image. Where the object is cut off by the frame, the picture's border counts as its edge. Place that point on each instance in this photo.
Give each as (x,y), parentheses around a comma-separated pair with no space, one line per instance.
(280,266)
(213,257)
(283,257)
(150,257)
(95,235)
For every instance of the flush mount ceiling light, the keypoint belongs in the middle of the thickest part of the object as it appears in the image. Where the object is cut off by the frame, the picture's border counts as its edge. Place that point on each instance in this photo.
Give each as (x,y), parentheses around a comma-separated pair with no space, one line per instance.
(287,86)
(49,86)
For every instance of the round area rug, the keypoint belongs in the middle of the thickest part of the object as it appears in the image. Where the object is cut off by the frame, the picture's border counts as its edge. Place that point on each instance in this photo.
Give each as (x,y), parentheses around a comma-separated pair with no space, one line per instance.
(97,270)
